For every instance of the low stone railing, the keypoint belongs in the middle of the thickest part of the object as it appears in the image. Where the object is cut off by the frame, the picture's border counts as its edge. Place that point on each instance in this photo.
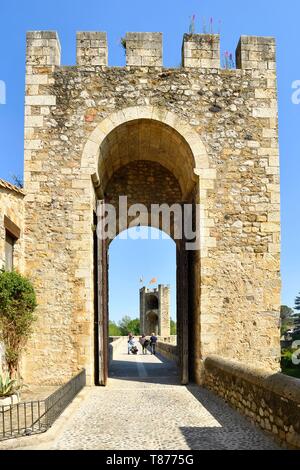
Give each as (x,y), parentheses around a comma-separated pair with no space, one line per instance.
(271,401)
(116,345)
(167,350)
(172,339)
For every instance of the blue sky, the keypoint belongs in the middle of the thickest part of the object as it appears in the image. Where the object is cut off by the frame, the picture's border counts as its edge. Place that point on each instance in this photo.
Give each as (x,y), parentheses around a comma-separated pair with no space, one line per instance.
(130,260)
(255,17)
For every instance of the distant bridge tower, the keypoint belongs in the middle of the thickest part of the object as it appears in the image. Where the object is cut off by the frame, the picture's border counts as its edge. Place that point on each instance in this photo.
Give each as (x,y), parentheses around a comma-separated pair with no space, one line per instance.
(155,310)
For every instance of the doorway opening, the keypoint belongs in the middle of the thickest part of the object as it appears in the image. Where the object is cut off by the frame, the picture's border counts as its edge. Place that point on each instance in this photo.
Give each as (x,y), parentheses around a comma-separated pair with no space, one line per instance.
(142,300)
(150,164)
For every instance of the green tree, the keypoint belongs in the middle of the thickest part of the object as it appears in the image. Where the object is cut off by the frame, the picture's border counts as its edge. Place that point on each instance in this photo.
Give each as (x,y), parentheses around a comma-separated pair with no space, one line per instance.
(17,305)
(287,320)
(297,308)
(297,303)
(285,312)
(113,329)
(173,327)
(134,326)
(128,325)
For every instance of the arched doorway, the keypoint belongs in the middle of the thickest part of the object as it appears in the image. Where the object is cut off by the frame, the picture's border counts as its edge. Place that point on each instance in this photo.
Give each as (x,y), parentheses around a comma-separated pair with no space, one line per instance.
(142,300)
(150,162)
(152,322)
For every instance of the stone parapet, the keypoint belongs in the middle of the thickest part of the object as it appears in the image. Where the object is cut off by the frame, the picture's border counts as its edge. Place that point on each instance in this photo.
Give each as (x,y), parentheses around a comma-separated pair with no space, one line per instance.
(168,350)
(255,52)
(201,50)
(43,48)
(271,401)
(144,49)
(91,48)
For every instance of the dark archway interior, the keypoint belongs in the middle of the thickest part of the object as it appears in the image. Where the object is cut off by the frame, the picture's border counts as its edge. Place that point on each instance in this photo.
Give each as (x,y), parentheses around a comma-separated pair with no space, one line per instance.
(152,302)
(152,322)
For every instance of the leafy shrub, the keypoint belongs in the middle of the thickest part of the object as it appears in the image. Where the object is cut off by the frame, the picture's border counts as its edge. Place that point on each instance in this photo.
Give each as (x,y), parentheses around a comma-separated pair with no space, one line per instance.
(8,386)
(123,43)
(286,359)
(17,304)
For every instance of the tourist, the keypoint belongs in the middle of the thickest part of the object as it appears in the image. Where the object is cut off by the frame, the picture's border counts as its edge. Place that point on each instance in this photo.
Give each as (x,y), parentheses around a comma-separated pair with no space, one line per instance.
(130,342)
(153,341)
(145,343)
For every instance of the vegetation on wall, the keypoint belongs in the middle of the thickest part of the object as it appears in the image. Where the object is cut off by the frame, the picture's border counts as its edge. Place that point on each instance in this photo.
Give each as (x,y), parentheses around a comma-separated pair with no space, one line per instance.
(123,43)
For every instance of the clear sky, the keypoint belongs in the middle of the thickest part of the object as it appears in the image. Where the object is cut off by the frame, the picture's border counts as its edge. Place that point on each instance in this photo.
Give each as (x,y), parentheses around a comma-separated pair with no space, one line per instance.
(253,17)
(132,260)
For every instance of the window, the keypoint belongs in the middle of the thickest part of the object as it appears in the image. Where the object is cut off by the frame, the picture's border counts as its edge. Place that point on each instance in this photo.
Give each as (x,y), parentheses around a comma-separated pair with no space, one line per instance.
(12,234)
(9,251)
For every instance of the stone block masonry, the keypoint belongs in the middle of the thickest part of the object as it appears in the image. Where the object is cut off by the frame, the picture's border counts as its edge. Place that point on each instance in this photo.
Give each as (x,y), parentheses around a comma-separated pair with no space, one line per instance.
(201,50)
(167,350)
(144,49)
(92,48)
(12,209)
(272,402)
(205,134)
(256,52)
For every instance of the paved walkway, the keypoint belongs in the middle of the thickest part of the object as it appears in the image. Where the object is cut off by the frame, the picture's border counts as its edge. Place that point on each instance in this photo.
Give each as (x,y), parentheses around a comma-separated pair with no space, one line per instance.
(144,407)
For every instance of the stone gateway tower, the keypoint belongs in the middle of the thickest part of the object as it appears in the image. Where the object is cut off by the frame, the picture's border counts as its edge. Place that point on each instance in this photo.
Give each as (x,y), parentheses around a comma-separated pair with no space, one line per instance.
(155,310)
(195,134)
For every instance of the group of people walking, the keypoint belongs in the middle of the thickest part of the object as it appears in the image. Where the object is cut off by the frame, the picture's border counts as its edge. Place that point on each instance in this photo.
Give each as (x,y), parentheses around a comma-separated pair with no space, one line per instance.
(145,343)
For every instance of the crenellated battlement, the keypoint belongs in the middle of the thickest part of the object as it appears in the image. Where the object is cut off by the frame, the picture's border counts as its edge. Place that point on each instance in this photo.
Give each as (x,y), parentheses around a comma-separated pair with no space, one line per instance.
(92,48)
(146,49)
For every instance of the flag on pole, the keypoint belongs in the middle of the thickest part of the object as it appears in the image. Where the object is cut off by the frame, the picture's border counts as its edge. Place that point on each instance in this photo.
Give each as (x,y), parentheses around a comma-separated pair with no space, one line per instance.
(153,281)
(141,280)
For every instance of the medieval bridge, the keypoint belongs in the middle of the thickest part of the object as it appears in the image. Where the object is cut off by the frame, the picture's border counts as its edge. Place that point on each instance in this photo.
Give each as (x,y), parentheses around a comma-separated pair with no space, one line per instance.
(144,407)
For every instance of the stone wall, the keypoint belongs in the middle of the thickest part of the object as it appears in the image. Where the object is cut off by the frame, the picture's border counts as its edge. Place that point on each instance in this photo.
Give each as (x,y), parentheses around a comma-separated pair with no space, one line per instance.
(201,50)
(117,345)
(167,350)
(164,310)
(271,401)
(215,131)
(144,49)
(168,339)
(12,206)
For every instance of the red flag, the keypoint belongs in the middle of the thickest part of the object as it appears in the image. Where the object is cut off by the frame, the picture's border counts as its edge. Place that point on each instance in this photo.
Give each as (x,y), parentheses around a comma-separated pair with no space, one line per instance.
(153,281)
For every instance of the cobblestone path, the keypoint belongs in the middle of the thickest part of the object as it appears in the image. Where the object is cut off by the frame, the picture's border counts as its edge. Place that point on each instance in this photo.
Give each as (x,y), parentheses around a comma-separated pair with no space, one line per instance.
(144,407)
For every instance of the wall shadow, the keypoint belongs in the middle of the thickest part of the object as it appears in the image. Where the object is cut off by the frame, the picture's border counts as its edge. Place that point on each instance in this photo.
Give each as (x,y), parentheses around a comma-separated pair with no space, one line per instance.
(162,372)
(235,432)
